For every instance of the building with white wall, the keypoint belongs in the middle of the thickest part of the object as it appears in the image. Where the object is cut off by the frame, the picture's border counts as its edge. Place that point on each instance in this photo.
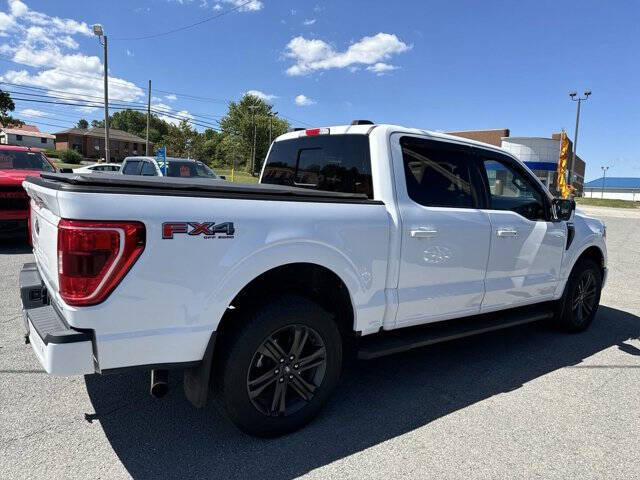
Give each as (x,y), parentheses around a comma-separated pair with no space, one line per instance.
(618,188)
(26,136)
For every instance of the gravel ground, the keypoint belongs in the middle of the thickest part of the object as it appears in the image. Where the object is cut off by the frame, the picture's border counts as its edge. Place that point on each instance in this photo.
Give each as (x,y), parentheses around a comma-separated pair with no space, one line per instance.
(521,403)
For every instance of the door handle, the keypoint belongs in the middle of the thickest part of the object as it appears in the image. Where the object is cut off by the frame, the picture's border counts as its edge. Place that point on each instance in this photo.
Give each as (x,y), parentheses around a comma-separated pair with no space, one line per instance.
(423,233)
(506,232)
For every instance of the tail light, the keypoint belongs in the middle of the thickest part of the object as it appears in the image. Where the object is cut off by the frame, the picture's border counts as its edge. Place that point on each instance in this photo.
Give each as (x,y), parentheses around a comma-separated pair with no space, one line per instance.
(94,256)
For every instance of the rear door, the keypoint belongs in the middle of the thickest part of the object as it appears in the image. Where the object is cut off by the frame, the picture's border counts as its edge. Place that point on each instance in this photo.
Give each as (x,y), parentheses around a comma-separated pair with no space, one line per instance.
(526,247)
(445,236)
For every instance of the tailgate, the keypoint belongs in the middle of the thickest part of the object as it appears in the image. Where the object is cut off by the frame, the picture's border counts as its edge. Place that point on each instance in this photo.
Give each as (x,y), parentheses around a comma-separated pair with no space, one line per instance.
(44,230)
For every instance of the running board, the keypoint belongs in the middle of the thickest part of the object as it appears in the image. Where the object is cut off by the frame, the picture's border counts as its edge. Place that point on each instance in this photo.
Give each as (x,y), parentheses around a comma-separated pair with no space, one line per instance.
(403,339)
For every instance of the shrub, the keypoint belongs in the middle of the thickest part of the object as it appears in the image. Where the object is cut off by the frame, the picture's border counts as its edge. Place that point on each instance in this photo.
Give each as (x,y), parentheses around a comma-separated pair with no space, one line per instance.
(70,156)
(51,153)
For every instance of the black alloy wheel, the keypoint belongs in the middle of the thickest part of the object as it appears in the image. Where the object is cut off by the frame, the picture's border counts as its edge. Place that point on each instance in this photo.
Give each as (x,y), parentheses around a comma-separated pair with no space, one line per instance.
(286,370)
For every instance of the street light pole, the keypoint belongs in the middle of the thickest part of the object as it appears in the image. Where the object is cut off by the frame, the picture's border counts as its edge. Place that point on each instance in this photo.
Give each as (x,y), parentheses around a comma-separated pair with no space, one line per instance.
(102,38)
(604,175)
(255,134)
(148,117)
(575,136)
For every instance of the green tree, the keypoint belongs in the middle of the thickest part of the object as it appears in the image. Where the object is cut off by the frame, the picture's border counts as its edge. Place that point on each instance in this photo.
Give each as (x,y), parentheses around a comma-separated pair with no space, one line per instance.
(135,123)
(181,140)
(97,123)
(7,105)
(82,123)
(238,130)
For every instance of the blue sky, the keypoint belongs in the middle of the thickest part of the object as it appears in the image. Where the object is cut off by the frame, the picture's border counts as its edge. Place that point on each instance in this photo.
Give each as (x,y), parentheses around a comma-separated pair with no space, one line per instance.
(436,65)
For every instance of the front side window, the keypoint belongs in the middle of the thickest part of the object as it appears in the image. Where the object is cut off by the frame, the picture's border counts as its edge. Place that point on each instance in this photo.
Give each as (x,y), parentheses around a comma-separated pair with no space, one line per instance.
(131,167)
(511,190)
(335,163)
(438,174)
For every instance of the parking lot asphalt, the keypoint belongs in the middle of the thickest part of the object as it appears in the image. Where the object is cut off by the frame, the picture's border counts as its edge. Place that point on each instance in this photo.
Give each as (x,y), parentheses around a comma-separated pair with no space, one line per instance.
(527,402)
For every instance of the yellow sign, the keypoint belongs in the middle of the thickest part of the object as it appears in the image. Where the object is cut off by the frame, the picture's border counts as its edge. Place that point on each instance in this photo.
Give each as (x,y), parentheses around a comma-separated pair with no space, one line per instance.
(563,188)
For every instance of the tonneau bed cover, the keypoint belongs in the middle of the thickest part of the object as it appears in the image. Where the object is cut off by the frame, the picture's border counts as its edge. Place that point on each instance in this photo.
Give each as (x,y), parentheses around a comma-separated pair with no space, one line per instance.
(172,186)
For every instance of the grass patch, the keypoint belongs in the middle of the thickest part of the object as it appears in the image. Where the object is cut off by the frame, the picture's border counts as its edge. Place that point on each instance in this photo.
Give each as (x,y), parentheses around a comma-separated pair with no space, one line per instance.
(607,202)
(238,177)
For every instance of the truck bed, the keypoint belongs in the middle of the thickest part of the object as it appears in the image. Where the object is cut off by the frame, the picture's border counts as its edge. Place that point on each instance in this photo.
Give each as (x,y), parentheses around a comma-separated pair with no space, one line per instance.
(197,187)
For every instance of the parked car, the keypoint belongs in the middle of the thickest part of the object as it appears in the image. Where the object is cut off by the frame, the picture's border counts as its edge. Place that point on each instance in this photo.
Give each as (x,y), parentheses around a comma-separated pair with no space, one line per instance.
(175,167)
(15,164)
(99,168)
(374,237)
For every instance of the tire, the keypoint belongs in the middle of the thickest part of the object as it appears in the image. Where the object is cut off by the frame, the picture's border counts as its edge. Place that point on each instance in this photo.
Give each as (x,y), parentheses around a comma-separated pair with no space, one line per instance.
(257,366)
(581,298)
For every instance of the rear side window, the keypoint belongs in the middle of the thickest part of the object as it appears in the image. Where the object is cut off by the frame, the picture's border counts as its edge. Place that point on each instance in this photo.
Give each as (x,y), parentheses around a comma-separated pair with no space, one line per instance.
(131,167)
(335,163)
(438,174)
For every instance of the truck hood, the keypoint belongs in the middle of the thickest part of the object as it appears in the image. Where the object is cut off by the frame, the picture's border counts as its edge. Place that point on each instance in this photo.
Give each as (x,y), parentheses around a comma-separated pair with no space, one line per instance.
(15,177)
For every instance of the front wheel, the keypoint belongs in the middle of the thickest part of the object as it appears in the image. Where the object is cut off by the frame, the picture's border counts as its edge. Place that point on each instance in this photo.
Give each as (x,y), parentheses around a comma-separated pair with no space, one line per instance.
(280,367)
(581,298)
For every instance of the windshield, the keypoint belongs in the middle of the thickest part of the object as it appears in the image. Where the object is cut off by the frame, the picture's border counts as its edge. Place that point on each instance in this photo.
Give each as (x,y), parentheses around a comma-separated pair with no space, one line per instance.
(179,168)
(20,160)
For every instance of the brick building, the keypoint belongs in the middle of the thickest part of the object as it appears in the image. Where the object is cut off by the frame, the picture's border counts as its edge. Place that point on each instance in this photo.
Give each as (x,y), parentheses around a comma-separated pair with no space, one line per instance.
(540,154)
(90,143)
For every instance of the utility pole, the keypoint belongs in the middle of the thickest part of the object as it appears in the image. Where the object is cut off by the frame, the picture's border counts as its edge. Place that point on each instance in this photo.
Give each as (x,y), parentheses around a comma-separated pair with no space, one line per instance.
(148,117)
(604,175)
(255,134)
(575,137)
(271,115)
(102,38)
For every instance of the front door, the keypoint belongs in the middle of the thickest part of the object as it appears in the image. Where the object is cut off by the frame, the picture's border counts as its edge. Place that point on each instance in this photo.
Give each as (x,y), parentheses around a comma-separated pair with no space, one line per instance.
(444,235)
(526,248)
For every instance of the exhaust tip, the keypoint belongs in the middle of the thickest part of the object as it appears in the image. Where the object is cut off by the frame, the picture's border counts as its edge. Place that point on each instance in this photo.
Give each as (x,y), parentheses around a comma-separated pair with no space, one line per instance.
(159,383)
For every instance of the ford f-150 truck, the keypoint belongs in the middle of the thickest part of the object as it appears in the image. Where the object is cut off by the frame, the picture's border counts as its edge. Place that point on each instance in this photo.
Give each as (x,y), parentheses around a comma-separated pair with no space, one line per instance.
(364,238)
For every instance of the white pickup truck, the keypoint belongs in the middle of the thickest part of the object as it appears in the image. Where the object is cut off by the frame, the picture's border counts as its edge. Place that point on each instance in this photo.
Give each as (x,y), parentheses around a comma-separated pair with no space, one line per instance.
(366,238)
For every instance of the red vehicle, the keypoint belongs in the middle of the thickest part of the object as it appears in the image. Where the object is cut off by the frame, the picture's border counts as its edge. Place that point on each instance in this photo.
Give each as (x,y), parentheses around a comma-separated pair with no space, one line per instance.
(16,163)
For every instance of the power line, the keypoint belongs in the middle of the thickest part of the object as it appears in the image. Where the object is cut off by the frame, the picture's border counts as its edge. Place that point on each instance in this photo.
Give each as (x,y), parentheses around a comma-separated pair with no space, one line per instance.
(185,27)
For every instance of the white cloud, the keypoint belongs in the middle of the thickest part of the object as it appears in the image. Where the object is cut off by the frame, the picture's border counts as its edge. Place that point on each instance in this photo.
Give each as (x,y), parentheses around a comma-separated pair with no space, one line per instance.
(312,55)
(162,110)
(304,101)
(47,44)
(17,8)
(309,21)
(30,112)
(252,6)
(381,68)
(217,7)
(262,95)
(130,53)
(171,97)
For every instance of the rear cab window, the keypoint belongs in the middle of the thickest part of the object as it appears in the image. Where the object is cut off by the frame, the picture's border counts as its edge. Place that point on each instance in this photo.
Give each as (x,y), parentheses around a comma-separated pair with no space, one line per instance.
(131,167)
(334,163)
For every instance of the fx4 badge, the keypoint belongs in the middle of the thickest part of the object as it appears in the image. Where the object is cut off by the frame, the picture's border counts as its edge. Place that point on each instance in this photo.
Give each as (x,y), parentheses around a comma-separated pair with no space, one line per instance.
(208,229)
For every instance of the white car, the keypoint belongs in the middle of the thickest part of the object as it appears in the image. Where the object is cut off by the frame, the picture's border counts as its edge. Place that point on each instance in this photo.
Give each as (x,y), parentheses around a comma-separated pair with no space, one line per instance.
(99,167)
(175,167)
(354,234)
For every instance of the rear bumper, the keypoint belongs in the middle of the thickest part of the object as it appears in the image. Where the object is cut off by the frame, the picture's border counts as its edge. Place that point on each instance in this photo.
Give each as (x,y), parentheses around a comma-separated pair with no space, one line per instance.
(60,349)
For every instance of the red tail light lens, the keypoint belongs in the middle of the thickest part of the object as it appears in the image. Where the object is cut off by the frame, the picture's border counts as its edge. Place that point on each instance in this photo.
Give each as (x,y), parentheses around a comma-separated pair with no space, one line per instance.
(94,256)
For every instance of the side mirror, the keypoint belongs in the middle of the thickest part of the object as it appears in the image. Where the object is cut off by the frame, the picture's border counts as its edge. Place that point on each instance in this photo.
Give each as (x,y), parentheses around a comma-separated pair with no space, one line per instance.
(222,177)
(561,209)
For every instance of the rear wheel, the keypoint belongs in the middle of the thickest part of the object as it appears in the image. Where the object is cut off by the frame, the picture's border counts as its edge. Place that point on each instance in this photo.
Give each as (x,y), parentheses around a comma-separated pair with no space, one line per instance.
(581,297)
(280,366)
